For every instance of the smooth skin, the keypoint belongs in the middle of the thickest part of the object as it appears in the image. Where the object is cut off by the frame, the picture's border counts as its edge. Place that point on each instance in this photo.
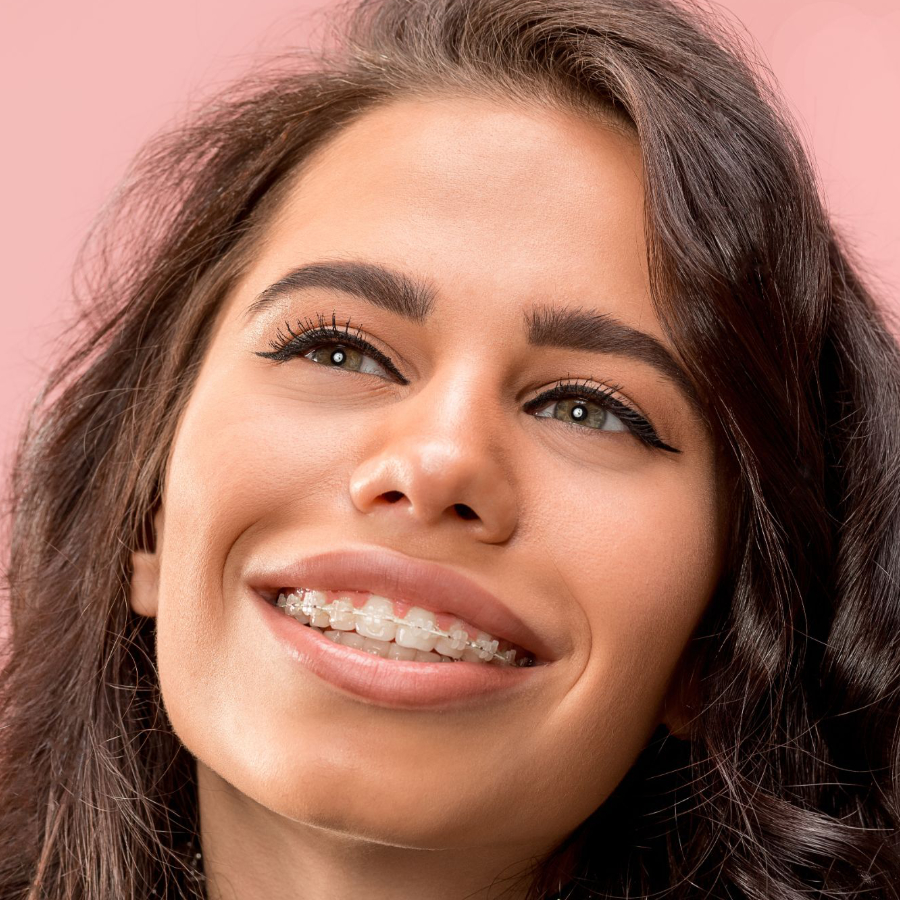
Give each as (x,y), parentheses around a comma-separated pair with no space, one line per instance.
(610,547)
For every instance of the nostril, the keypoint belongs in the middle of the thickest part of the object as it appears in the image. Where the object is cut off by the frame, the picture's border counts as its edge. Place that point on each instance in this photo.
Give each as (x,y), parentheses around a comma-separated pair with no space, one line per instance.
(465,512)
(392,496)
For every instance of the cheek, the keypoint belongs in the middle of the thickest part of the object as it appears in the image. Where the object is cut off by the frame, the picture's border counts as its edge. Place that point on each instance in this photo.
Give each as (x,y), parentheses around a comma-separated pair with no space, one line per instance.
(241,461)
(241,454)
(247,452)
(640,555)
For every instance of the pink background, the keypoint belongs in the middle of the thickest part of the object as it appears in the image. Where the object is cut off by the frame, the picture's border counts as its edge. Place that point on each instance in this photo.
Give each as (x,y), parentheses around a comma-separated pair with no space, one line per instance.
(86,82)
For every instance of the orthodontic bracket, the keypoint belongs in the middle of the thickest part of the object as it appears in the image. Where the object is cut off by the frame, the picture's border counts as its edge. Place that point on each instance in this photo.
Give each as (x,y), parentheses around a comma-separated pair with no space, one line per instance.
(457,637)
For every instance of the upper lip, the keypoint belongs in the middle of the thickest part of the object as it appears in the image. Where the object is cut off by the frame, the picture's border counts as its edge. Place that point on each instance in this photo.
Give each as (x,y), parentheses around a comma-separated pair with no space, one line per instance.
(401,577)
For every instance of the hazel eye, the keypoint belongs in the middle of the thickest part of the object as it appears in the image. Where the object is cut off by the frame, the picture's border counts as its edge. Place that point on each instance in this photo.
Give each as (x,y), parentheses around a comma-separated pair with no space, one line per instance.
(343,356)
(332,347)
(576,411)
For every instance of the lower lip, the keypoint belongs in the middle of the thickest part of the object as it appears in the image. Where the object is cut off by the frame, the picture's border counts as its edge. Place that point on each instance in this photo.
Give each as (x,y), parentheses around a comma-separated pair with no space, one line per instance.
(392,682)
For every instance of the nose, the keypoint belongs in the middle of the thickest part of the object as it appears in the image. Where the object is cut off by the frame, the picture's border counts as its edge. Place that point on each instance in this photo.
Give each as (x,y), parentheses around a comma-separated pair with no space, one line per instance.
(439,463)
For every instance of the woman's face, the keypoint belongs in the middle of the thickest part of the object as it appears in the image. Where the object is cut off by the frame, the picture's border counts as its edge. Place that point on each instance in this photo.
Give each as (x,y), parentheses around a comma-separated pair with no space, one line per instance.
(512,223)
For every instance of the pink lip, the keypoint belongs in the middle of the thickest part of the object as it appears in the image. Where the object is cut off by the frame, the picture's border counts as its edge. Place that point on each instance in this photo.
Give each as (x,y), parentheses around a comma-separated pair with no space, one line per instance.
(401,577)
(393,683)
(388,682)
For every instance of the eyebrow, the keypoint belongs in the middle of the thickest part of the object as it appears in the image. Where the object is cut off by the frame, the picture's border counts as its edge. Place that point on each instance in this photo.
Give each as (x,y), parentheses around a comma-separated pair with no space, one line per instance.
(546,325)
(386,288)
(550,326)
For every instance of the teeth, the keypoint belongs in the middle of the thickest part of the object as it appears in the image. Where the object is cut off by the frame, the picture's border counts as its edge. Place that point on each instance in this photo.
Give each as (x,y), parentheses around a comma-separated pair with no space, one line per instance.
(352,639)
(291,605)
(343,615)
(416,631)
(457,641)
(475,654)
(311,604)
(374,628)
(379,648)
(374,620)
(486,648)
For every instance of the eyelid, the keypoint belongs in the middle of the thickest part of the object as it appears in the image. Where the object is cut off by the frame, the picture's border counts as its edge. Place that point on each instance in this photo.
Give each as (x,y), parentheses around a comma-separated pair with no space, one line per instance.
(313,334)
(629,413)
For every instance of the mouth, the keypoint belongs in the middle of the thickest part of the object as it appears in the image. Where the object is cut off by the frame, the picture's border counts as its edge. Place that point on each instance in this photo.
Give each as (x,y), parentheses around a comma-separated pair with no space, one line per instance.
(355,598)
(398,607)
(396,629)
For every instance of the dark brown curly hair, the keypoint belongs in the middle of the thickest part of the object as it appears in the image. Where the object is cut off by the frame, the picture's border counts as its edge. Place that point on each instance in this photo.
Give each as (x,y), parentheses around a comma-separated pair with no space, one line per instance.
(788,788)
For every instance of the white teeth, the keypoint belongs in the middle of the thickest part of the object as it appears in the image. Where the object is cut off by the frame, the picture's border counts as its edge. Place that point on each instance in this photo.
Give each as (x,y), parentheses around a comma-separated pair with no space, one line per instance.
(415,631)
(375,628)
(453,645)
(379,648)
(291,605)
(459,637)
(373,620)
(352,639)
(311,605)
(395,651)
(474,654)
(343,615)
(486,648)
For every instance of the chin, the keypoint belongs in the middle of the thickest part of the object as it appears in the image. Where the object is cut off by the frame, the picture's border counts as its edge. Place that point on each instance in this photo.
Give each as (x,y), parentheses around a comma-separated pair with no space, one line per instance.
(375,819)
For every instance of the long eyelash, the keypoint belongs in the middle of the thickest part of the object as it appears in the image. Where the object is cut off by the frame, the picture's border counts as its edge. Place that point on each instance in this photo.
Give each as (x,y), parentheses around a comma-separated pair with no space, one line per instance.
(311,334)
(636,423)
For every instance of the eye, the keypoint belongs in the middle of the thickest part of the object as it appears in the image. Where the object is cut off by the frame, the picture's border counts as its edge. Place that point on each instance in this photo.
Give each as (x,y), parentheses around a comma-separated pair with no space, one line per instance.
(596,410)
(333,346)
(344,356)
(583,412)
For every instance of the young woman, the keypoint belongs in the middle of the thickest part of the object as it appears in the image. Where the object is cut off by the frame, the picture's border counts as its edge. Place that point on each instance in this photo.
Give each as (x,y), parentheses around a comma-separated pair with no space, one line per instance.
(501,334)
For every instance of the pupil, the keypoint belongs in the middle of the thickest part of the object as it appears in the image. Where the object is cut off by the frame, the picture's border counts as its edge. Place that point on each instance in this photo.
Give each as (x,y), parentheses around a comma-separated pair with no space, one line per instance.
(338,357)
(578,412)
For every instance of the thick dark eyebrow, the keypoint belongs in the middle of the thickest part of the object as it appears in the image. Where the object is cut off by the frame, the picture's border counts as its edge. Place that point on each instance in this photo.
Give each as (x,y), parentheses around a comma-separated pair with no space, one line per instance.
(392,290)
(546,326)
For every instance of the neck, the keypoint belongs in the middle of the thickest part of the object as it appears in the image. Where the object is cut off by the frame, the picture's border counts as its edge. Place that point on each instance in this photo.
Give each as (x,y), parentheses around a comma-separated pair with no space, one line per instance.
(252,853)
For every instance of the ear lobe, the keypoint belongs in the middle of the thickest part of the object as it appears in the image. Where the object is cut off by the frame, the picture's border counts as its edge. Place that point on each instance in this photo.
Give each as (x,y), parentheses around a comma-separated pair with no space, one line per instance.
(144,594)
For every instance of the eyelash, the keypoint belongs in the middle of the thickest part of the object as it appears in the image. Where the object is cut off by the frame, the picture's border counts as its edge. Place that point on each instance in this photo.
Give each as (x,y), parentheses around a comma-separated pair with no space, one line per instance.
(639,426)
(312,335)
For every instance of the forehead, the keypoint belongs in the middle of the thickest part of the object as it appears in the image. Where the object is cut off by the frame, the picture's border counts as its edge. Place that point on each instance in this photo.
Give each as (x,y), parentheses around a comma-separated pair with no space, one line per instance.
(500,204)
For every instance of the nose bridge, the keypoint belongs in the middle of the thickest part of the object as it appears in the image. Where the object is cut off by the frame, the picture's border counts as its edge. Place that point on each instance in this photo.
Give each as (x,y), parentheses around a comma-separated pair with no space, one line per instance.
(441,459)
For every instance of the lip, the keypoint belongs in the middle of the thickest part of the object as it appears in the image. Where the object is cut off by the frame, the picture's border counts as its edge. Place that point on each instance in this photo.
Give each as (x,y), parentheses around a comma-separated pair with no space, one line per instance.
(401,577)
(396,683)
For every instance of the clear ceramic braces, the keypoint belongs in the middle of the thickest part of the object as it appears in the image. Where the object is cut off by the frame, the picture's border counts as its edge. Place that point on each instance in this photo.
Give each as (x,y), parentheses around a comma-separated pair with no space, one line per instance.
(458,638)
